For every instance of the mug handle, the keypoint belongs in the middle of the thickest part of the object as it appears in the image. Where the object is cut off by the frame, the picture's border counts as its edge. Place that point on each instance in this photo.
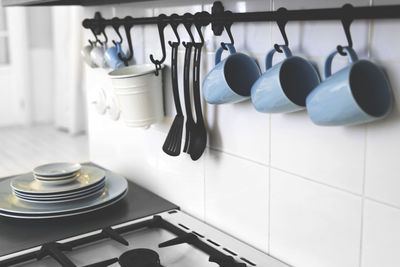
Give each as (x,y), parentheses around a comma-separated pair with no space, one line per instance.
(328,62)
(218,53)
(119,48)
(270,55)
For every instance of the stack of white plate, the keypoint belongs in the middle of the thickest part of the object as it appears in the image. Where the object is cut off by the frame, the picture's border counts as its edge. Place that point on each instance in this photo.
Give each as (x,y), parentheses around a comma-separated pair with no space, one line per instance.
(57,173)
(60,189)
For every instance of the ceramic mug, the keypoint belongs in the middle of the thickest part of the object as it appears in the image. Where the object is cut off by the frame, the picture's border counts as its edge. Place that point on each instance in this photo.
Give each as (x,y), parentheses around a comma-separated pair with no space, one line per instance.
(97,56)
(284,86)
(231,79)
(111,56)
(358,93)
(85,53)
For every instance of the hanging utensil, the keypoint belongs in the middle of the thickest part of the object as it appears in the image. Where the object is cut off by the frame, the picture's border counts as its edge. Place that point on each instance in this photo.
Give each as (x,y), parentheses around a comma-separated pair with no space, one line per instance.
(198,141)
(172,144)
(190,123)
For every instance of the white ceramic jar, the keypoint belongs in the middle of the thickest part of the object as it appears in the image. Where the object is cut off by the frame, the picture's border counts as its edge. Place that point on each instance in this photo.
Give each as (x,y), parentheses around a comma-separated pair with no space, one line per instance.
(139,94)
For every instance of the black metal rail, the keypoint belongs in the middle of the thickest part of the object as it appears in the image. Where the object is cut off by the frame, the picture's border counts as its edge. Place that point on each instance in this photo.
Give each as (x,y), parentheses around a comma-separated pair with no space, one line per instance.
(220,19)
(369,12)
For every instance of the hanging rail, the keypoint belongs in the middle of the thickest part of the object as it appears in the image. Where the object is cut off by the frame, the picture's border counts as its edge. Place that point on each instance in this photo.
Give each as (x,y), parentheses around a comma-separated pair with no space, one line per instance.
(220,16)
(221,19)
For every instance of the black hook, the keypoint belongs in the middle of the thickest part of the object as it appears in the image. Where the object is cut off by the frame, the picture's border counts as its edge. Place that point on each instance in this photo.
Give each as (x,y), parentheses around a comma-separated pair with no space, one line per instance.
(95,36)
(347,19)
(115,25)
(227,26)
(98,28)
(198,23)
(161,25)
(282,21)
(174,26)
(105,36)
(127,27)
(188,26)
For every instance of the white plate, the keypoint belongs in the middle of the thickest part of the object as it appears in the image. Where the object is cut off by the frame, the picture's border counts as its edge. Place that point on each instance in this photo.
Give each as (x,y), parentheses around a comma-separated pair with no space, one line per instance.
(54,201)
(61,196)
(55,215)
(55,178)
(57,182)
(9,203)
(57,169)
(88,176)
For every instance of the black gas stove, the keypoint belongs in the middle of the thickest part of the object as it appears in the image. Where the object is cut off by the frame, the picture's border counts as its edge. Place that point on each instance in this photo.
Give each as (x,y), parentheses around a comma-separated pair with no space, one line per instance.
(143,230)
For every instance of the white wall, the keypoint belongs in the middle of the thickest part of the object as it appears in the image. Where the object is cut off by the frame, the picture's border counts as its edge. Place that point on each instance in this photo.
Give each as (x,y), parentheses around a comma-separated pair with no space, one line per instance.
(311,196)
(41,64)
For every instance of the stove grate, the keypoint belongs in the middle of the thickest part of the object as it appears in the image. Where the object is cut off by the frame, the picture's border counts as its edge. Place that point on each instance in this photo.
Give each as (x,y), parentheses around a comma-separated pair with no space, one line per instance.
(55,249)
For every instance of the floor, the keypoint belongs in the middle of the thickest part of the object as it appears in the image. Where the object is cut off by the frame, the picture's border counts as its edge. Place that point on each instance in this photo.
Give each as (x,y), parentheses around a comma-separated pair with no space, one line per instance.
(23,148)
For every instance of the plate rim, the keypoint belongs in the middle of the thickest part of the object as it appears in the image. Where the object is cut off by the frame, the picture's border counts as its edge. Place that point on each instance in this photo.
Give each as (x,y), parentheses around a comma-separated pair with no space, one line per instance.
(32,175)
(66,214)
(111,174)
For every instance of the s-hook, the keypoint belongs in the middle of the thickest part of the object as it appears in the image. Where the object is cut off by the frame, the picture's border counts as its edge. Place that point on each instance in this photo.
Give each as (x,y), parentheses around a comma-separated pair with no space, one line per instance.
(115,25)
(282,21)
(97,38)
(188,26)
(127,27)
(228,26)
(174,26)
(347,19)
(161,25)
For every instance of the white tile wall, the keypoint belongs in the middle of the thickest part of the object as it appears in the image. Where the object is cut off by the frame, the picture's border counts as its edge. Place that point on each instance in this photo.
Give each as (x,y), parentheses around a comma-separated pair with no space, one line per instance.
(311,196)
(381,235)
(313,225)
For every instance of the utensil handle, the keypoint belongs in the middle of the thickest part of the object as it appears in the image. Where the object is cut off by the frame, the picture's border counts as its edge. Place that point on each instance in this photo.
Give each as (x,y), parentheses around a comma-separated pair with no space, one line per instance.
(186,88)
(196,83)
(174,78)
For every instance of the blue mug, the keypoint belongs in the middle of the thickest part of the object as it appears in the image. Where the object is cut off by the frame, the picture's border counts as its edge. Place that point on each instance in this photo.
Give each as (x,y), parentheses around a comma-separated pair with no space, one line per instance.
(284,86)
(358,93)
(111,56)
(231,79)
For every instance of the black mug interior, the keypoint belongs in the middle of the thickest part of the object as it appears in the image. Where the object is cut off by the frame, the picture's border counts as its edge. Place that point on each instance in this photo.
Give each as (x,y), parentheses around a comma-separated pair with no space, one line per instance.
(298,78)
(370,88)
(241,72)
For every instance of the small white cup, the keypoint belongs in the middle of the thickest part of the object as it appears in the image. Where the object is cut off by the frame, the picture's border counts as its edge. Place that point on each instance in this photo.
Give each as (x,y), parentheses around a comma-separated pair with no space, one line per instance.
(97,56)
(85,53)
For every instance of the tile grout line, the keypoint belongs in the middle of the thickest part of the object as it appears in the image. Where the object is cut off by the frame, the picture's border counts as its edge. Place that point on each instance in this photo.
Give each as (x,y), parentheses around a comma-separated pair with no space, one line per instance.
(204,161)
(269,188)
(360,258)
(237,156)
(363,197)
(271,3)
(389,205)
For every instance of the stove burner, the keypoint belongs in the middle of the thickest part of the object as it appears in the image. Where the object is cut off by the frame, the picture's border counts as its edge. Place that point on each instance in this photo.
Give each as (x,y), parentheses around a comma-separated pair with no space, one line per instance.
(139,258)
